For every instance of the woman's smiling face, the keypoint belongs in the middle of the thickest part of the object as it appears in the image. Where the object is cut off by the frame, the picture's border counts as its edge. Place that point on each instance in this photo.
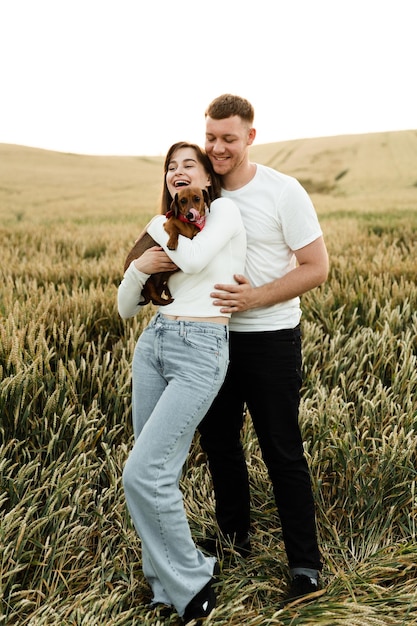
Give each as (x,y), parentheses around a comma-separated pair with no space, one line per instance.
(185,169)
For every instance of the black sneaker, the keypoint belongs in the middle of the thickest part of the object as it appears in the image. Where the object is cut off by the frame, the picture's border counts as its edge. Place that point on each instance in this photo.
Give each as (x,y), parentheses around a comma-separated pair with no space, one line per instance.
(213,545)
(203,603)
(301,585)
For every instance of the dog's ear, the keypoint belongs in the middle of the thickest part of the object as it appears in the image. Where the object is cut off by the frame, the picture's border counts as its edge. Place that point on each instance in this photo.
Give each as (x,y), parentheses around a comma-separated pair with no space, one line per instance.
(175,206)
(206,198)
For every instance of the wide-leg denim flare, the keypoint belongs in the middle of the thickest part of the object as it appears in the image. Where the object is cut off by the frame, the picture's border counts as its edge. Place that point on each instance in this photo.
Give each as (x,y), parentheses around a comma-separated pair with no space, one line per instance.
(178,369)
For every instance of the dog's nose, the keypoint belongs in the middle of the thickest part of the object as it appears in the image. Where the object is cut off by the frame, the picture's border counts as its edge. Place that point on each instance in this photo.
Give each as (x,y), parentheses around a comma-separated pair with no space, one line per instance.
(190,216)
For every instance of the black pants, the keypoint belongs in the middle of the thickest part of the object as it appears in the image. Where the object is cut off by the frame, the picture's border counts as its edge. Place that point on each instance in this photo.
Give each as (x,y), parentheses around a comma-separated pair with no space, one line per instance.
(264,373)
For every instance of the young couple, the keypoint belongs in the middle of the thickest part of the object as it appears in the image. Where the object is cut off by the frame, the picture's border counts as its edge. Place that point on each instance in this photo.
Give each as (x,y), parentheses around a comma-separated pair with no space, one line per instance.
(236,297)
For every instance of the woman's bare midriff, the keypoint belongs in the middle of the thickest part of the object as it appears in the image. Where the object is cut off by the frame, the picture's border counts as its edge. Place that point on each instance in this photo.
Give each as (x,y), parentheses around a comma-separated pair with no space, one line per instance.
(184,318)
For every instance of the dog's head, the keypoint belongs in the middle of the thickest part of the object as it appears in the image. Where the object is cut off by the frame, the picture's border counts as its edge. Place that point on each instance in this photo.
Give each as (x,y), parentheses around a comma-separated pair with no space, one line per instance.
(191,203)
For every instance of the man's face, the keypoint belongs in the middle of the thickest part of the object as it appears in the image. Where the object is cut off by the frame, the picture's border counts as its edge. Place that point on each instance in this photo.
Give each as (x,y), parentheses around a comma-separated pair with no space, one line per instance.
(227,143)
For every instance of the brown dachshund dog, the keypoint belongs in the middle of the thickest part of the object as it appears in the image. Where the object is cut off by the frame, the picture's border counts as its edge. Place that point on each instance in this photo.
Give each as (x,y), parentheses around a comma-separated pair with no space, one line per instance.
(186,217)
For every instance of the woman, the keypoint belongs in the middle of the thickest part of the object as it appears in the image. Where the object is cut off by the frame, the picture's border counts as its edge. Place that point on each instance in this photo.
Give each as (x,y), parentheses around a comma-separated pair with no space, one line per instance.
(179,365)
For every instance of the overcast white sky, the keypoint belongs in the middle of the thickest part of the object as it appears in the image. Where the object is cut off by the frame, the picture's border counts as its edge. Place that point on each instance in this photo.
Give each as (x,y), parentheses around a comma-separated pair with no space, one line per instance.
(130,77)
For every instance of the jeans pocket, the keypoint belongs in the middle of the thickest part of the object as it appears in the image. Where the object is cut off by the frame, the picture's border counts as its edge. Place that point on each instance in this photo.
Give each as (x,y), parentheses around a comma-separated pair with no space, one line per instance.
(205,342)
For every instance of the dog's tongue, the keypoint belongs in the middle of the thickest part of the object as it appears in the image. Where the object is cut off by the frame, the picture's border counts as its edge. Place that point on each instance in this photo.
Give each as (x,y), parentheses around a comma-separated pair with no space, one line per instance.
(195,215)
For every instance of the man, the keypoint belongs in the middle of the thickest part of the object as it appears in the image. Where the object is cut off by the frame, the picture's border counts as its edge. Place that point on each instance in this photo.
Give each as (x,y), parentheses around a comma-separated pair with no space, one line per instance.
(286,257)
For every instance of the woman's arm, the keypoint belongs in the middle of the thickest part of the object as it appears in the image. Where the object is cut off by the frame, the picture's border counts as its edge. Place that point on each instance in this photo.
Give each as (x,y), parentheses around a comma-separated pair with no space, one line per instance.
(129,293)
(192,255)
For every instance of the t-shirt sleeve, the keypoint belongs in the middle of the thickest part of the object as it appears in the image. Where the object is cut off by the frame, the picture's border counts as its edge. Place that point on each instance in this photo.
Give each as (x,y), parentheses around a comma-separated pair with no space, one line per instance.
(300,224)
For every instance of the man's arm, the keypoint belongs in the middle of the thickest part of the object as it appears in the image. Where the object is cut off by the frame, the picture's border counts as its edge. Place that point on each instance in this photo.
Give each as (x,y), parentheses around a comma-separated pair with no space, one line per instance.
(311,271)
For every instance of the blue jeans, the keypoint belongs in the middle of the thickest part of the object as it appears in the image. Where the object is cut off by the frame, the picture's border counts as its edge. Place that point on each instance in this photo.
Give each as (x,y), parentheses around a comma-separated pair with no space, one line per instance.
(264,373)
(178,369)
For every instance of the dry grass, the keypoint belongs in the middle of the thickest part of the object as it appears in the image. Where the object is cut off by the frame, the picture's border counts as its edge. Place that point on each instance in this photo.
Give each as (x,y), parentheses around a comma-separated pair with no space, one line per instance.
(69,555)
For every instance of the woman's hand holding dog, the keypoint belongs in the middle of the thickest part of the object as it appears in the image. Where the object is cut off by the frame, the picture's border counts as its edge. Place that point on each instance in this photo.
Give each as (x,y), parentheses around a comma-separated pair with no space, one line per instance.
(154,260)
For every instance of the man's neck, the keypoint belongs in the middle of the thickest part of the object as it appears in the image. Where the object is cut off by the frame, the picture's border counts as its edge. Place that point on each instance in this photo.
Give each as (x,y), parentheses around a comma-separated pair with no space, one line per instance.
(240,177)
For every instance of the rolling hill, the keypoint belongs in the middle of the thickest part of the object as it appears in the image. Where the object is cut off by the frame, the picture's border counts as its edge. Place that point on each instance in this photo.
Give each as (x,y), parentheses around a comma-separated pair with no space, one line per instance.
(377,170)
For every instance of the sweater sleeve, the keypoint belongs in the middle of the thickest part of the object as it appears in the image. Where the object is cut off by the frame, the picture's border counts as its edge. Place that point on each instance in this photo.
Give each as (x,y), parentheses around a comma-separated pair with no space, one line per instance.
(129,291)
(192,255)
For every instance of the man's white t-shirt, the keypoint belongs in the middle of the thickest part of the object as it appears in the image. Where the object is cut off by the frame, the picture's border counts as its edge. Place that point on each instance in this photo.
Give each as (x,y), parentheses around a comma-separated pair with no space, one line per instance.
(279,218)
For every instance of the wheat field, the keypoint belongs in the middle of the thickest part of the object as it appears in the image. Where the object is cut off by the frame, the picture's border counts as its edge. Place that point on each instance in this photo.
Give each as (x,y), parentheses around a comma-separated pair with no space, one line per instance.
(69,554)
